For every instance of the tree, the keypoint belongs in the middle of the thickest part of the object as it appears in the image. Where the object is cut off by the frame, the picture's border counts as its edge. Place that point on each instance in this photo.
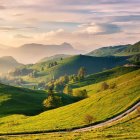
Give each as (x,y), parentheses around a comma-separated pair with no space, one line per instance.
(67,90)
(104,86)
(80,94)
(55,63)
(52,102)
(81,73)
(88,119)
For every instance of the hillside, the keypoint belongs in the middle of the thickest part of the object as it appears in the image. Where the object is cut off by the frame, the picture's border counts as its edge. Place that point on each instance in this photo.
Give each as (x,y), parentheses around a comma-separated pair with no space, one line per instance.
(15,100)
(129,123)
(133,48)
(103,76)
(56,57)
(68,66)
(7,63)
(101,105)
(108,51)
(122,50)
(135,59)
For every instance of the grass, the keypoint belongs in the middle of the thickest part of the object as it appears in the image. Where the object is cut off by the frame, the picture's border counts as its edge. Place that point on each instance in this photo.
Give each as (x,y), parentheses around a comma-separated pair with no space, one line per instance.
(102,76)
(71,66)
(15,100)
(101,105)
(126,128)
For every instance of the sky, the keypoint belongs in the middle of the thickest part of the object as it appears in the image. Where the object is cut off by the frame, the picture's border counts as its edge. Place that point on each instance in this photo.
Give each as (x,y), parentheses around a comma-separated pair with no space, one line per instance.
(86,24)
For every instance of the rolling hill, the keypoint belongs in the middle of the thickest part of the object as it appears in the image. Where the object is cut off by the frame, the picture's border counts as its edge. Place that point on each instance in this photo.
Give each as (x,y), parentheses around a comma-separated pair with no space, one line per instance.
(125,128)
(102,105)
(8,63)
(69,66)
(103,76)
(14,100)
(56,57)
(108,51)
(122,50)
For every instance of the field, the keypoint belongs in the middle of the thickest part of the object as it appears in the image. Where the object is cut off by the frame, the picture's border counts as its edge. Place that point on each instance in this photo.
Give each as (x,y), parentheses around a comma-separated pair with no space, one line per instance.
(102,105)
(126,128)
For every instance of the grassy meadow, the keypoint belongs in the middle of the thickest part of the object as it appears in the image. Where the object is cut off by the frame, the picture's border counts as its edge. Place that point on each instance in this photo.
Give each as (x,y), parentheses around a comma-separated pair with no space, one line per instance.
(101,105)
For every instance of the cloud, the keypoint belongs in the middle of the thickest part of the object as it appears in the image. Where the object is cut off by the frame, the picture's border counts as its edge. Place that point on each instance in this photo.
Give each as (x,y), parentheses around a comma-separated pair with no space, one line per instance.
(2,7)
(126,18)
(20,36)
(99,29)
(57,21)
(8,28)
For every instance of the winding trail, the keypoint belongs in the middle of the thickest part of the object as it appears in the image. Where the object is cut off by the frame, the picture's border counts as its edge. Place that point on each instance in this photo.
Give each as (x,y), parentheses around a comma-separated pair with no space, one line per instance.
(111,120)
(85,128)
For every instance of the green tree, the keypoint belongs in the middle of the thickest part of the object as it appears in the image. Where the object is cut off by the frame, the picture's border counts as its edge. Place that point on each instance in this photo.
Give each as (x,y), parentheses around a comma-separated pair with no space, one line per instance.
(67,90)
(80,94)
(52,102)
(81,73)
(104,86)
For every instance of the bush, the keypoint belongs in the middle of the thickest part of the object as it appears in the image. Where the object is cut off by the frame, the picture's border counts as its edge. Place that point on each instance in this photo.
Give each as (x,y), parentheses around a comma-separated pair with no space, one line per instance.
(67,90)
(112,85)
(88,119)
(53,101)
(80,94)
(104,86)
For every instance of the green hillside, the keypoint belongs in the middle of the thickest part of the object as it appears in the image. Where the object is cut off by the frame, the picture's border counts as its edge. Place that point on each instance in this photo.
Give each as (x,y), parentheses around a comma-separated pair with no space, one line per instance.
(42,73)
(56,57)
(122,50)
(126,128)
(20,101)
(108,51)
(133,48)
(101,105)
(102,76)
(15,100)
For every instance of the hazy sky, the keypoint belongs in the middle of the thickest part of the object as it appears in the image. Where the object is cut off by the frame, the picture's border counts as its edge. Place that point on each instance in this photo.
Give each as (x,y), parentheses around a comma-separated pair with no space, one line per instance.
(86,24)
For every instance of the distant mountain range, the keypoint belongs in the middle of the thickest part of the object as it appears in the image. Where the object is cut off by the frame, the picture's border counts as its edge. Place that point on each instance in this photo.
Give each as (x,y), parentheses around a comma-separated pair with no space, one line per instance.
(121,50)
(8,63)
(31,53)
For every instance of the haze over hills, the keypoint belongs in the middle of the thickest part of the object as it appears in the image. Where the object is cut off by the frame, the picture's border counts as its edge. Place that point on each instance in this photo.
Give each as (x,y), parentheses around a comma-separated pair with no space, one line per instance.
(7,63)
(31,53)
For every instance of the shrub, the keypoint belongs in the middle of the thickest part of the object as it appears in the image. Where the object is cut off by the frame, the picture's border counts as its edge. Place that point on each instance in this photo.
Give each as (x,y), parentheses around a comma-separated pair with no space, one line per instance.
(88,119)
(67,90)
(112,85)
(80,94)
(104,86)
(53,101)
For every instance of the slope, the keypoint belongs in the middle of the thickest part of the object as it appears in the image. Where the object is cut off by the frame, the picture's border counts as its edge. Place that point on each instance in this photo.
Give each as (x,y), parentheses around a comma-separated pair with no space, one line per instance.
(56,57)
(15,100)
(103,76)
(101,105)
(108,51)
(7,63)
(121,50)
(125,128)
(70,66)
